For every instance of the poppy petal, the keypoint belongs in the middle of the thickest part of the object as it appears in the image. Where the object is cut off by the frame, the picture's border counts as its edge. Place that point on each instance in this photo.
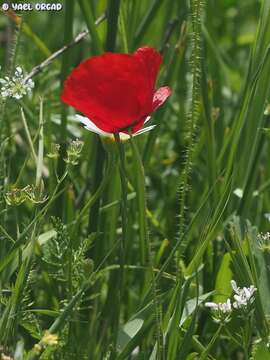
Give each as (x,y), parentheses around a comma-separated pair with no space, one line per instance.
(116,91)
(147,119)
(146,129)
(151,60)
(89,125)
(124,136)
(161,96)
(139,125)
(111,89)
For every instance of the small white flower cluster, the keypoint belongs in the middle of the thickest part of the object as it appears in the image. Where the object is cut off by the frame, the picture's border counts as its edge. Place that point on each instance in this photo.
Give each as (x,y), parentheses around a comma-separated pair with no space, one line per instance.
(243,297)
(264,241)
(16,87)
(264,236)
(225,308)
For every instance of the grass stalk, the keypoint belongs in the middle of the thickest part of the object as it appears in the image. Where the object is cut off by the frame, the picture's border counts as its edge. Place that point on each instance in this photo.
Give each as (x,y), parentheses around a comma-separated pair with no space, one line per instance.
(90,22)
(66,62)
(193,116)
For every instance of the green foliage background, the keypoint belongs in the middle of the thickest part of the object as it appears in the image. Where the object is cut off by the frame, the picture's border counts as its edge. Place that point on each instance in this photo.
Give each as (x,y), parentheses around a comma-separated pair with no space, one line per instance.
(205,169)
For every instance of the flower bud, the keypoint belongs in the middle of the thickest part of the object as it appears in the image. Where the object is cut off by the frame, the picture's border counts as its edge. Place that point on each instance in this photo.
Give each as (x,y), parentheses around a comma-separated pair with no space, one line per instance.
(15,196)
(54,154)
(73,152)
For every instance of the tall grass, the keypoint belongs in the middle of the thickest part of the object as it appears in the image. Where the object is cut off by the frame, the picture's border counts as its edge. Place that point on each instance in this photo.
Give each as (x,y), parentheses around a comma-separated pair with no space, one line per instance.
(112,254)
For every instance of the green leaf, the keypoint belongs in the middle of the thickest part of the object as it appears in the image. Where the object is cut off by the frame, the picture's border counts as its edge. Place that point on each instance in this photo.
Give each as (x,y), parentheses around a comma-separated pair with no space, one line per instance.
(223,287)
(191,305)
(129,330)
(261,352)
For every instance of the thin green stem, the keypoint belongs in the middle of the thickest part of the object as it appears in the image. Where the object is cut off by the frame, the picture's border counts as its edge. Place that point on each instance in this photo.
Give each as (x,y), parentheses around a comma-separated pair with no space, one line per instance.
(40,155)
(66,63)
(147,20)
(124,217)
(232,338)
(36,218)
(93,199)
(123,29)
(90,22)
(93,221)
(124,203)
(144,235)
(26,159)
(113,12)
(28,136)
(192,118)
(211,344)
(140,196)
(112,15)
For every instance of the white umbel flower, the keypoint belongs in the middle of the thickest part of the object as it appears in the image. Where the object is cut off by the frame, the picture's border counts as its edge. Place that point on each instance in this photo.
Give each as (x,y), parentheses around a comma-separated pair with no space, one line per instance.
(221,312)
(89,125)
(225,308)
(264,241)
(242,296)
(15,87)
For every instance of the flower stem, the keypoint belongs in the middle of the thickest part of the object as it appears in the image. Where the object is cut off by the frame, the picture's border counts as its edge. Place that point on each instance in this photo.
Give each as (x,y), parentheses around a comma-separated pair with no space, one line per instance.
(93,222)
(93,199)
(212,342)
(124,203)
(144,237)
(231,337)
(140,195)
(124,216)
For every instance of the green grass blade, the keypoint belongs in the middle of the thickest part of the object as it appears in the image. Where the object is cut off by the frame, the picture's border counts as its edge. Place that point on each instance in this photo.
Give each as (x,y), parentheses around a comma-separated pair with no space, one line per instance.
(90,21)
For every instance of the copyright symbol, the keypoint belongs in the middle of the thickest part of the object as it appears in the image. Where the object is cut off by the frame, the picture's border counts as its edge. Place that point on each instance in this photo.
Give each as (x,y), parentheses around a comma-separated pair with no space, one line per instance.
(5,7)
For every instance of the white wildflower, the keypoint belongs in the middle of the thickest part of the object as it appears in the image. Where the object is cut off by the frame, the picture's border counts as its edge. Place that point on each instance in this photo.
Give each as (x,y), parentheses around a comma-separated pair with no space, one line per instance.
(49,339)
(91,126)
(221,311)
(264,242)
(15,87)
(223,307)
(243,296)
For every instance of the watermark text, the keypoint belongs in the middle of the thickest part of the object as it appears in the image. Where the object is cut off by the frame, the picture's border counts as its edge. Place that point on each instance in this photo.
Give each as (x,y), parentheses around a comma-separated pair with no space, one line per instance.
(41,6)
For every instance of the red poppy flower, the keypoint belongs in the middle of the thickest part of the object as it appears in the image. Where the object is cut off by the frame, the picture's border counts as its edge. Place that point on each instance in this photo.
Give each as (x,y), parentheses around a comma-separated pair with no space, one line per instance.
(116,92)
